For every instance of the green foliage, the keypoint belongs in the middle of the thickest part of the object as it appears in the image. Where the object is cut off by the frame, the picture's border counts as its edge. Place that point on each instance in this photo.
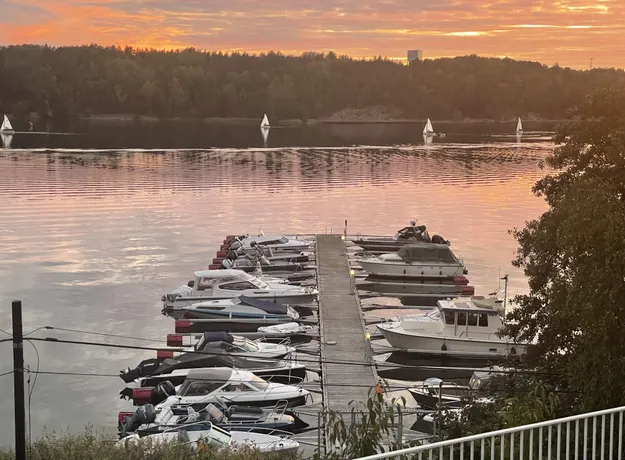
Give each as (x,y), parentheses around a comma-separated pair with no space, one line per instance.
(367,429)
(88,446)
(574,258)
(69,81)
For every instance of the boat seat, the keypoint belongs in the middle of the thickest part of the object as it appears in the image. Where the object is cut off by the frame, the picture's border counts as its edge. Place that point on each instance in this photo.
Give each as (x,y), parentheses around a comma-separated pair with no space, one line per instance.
(234,411)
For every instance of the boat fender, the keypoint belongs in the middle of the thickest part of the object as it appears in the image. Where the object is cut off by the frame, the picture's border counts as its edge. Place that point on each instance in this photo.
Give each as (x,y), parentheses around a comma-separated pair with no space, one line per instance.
(513,351)
(444,347)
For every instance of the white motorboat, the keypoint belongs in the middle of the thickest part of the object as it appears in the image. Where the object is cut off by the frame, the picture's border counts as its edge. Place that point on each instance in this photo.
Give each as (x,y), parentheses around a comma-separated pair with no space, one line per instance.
(416,260)
(238,345)
(241,309)
(152,372)
(407,235)
(226,284)
(199,434)
(231,386)
(457,328)
(277,243)
(434,391)
(147,420)
(6,127)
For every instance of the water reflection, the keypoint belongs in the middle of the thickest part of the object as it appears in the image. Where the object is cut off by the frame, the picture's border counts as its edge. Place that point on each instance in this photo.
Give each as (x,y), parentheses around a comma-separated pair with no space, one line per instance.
(90,239)
(6,140)
(265,134)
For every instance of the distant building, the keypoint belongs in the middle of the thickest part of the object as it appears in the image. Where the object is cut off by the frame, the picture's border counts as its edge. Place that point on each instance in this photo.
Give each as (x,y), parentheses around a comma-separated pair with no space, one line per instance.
(415,55)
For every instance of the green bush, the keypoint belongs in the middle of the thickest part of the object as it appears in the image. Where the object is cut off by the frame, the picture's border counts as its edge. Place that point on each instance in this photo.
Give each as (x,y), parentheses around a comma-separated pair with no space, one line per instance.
(89,446)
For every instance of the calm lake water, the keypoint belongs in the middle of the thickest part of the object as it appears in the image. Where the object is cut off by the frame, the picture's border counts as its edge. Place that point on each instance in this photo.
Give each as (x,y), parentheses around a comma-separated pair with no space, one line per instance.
(94,228)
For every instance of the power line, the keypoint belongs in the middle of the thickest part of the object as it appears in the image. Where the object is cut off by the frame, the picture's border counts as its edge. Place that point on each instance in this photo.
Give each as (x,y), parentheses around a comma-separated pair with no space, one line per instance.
(266,358)
(103,334)
(6,373)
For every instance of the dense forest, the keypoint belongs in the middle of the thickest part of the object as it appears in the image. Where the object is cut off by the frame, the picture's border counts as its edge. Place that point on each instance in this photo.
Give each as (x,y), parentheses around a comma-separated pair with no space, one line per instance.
(42,81)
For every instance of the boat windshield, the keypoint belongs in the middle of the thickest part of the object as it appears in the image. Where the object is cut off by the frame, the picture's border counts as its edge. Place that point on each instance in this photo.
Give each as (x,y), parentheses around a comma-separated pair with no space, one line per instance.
(245,344)
(260,283)
(218,437)
(259,383)
(199,387)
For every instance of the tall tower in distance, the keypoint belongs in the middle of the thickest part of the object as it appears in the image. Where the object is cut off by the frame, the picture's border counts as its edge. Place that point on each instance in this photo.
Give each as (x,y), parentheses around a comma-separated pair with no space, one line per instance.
(414,55)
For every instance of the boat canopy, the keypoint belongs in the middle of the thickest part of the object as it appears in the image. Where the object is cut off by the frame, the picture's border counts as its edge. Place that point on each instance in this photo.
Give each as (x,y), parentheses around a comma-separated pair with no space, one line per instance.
(465,306)
(265,305)
(217,375)
(221,336)
(427,252)
(221,274)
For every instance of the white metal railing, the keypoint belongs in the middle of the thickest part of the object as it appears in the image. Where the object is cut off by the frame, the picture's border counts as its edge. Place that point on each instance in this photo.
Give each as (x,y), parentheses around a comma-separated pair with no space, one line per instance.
(594,435)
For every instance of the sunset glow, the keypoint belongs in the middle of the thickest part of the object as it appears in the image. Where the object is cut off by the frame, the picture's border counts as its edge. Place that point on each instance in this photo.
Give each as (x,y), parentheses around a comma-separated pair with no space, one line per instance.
(569,32)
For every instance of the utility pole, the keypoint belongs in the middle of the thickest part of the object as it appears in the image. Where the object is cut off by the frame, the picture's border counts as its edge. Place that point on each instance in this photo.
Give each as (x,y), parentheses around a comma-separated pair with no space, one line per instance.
(591,63)
(18,381)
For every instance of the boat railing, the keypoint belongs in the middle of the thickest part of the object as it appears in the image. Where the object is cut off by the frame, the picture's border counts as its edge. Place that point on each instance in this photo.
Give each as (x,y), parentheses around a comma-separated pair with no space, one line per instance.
(486,335)
(295,379)
(265,430)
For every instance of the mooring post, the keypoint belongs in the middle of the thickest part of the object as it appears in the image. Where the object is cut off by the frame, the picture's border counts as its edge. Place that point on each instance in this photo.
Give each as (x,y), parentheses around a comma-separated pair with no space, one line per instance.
(18,381)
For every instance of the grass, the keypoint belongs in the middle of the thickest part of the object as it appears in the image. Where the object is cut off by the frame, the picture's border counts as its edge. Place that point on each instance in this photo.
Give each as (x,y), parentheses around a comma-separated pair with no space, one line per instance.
(89,446)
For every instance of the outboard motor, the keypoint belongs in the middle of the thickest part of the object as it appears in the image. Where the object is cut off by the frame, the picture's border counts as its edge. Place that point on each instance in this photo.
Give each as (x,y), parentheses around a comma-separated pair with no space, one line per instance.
(146,368)
(142,416)
(226,263)
(439,240)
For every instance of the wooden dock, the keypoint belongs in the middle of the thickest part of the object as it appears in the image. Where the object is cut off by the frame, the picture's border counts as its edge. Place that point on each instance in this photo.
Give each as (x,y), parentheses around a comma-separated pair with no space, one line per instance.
(342,329)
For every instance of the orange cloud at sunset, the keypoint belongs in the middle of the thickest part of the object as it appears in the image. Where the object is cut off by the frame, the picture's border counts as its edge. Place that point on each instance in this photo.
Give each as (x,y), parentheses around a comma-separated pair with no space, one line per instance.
(569,32)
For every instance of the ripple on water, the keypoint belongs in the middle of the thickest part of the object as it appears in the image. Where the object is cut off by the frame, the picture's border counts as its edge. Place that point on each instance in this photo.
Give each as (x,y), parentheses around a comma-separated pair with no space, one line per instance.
(90,240)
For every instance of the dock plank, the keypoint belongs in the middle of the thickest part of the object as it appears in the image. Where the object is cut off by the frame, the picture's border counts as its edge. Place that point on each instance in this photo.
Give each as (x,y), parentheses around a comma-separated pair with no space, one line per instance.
(341,321)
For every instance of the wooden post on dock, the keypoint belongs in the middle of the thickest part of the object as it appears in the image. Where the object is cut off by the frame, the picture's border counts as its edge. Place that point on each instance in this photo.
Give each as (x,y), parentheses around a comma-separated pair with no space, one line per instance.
(18,381)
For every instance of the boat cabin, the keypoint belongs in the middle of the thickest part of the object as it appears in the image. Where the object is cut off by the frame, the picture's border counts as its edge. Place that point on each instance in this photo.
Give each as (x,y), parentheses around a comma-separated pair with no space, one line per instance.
(202,382)
(427,252)
(462,318)
(224,341)
(207,281)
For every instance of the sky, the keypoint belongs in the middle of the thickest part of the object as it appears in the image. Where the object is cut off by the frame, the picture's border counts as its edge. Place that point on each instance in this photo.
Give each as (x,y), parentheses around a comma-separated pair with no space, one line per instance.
(567,32)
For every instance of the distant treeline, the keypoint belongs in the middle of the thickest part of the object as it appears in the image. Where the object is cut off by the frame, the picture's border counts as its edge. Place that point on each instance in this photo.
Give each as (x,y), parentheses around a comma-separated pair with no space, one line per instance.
(41,81)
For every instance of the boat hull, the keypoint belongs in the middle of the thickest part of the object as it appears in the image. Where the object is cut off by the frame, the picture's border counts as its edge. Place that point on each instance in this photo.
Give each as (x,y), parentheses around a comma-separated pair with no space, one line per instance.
(427,401)
(285,299)
(402,270)
(453,346)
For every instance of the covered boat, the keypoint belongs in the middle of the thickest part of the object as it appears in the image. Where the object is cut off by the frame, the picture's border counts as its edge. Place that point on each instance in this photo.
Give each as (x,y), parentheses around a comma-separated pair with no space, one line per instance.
(407,235)
(226,284)
(150,372)
(242,314)
(457,328)
(416,260)
(277,243)
(238,345)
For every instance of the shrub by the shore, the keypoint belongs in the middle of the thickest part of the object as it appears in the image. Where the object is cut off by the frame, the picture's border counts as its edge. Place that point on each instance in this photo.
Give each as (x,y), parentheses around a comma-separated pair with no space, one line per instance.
(89,446)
